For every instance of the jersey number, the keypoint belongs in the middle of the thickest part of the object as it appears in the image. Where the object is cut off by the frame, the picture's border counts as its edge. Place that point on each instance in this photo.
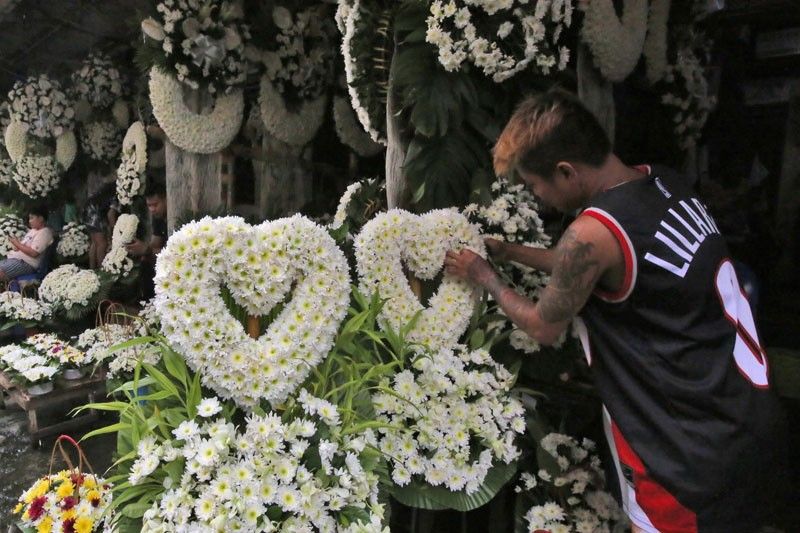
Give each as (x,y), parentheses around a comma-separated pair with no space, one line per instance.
(748,353)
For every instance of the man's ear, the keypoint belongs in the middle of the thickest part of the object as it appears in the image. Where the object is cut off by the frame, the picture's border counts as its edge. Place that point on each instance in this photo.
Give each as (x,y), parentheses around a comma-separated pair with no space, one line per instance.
(566,170)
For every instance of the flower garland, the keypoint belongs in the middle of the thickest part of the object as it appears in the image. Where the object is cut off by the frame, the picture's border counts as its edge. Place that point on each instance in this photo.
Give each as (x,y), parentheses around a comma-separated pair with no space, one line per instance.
(341,210)
(37,176)
(193,132)
(513,216)
(41,105)
(292,127)
(457,419)
(573,493)
(66,501)
(202,44)
(500,38)
(101,140)
(350,131)
(69,286)
(124,230)
(367,79)
(15,306)
(259,266)
(97,83)
(685,90)
(131,173)
(655,44)
(74,241)
(299,60)
(615,43)
(11,226)
(421,241)
(270,474)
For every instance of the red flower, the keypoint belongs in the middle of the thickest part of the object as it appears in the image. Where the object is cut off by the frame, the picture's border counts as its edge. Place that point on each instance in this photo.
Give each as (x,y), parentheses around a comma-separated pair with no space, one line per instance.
(68,526)
(37,508)
(68,503)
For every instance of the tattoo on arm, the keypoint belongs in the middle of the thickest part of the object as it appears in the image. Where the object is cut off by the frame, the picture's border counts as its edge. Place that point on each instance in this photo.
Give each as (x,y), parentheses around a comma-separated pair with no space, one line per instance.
(575,273)
(516,307)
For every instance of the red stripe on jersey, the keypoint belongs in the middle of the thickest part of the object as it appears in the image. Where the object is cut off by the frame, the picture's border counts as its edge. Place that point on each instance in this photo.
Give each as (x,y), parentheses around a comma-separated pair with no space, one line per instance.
(665,512)
(627,253)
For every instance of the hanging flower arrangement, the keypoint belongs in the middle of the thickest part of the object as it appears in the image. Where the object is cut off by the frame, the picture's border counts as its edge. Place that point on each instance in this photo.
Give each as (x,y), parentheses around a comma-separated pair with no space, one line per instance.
(500,38)
(42,106)
(74,241)
(131,172)
(97,83)
(615,42)
(298,63)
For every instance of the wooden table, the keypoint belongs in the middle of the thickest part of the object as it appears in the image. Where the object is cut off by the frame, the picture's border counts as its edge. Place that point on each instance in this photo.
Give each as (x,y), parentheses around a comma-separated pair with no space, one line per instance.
(64,390)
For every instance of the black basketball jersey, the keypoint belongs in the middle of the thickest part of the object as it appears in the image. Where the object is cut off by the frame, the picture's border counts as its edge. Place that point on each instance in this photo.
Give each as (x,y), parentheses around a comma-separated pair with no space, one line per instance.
(678,364)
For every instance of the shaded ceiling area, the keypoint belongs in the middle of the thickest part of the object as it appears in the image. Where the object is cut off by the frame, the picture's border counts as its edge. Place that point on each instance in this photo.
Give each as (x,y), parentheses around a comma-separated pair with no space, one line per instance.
(53,36)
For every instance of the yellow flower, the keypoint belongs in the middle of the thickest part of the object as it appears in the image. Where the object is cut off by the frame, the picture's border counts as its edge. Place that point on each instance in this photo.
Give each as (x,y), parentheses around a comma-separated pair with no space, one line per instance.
(69,513)
(39,489)
(93,495)
(18,508)
(89,482)
(83,524)
(45,526)
(66,489)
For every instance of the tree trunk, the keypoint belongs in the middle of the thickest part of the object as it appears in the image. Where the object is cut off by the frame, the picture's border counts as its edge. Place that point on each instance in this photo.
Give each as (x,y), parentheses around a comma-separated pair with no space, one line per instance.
(596,92)
(194,182)
(283,179)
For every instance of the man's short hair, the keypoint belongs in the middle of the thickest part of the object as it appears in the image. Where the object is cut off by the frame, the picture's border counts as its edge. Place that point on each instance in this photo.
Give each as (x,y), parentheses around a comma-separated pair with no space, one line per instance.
(39,211)
(155,188)
(547,128)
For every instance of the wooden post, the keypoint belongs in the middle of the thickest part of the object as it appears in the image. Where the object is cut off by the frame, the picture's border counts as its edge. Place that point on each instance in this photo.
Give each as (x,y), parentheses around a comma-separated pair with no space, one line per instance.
(194,182)
(596,92)
(253,326)
(283,178)
(396,185)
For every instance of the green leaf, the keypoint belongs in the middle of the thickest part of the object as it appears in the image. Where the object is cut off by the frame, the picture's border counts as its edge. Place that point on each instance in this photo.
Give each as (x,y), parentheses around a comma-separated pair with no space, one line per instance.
(136,510)
(113,428)
(424,496)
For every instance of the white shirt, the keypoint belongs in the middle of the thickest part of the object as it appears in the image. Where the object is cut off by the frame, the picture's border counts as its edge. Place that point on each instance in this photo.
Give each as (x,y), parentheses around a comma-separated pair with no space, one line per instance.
(39,240)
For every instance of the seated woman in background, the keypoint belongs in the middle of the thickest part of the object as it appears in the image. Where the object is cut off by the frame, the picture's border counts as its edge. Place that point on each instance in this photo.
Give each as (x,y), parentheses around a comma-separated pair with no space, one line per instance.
(25,257)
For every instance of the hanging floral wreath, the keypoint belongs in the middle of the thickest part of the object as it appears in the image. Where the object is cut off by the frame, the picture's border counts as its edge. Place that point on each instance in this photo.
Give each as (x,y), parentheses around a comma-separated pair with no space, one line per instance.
(259,266)
(350,131)
(201,44)
(367,52)
(97,83)
(296,127)
(655,44)
(501,39)
(74,241)
(193,132)
(11,226)
(616,43)
(449,419)
(396,237)
(101,140)
(37,176)
(42,106)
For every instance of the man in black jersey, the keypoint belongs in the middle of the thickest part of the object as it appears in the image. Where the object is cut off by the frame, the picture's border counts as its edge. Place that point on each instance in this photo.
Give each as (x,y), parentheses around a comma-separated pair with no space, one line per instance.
(647,279)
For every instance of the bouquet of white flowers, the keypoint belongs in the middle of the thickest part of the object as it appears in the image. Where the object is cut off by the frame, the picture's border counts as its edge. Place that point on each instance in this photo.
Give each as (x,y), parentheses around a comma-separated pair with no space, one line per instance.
(16,307)
(11,226)
(42,106)
(74,241)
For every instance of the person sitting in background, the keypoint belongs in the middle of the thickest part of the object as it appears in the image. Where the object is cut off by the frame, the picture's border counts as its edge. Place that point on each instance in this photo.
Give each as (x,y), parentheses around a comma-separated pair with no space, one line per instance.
(25,257)
(156,198)
(101,214)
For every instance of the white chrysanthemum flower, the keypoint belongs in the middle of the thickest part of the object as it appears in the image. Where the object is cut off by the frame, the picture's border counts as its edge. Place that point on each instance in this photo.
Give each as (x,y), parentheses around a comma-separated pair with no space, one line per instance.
(74,241)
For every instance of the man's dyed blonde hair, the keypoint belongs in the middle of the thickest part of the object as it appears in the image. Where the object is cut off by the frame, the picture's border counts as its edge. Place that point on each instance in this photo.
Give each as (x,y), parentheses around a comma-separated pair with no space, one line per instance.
(545,129)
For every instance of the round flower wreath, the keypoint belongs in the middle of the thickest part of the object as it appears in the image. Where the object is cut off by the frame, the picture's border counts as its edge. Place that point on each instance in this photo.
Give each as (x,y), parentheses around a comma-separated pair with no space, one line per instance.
(367,57)
(259,265)
(69,286)
(190,131)
(420,241)
(97,83)
(37,176)
(292,127)
(448,419)
(42,106)
(501,39)
(201,44)
(100,140)
(350,131)
(616,44)
(74,241)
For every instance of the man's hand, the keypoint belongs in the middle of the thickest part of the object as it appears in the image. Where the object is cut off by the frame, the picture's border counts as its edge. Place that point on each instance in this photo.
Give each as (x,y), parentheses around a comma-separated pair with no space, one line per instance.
(469,266)
(15,242)
(137,248)
(497,249)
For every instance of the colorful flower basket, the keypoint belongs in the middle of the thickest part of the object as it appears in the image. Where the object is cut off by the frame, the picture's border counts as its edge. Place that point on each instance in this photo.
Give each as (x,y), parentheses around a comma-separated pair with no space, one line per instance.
(70,500)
